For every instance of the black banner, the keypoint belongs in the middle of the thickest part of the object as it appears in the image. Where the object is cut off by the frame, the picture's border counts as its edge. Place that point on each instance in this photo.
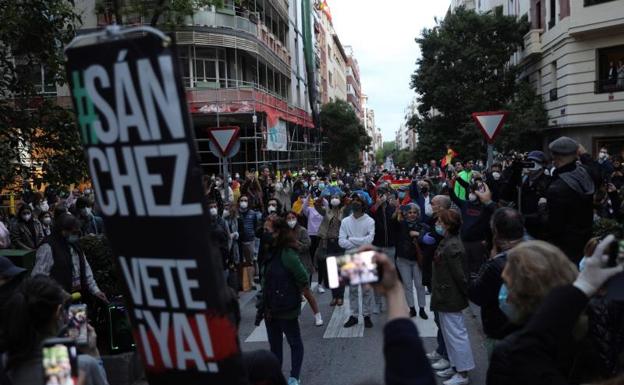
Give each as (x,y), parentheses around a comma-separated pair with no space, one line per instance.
(133,118)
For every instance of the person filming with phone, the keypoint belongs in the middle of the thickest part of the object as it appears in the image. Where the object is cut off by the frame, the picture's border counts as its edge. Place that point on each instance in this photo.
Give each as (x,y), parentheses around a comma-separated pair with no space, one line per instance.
(35,312)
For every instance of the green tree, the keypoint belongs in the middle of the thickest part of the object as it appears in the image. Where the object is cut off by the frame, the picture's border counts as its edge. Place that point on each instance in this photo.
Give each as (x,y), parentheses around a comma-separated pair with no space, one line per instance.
(386,149)
(38,138)
(345,136)
(464,68)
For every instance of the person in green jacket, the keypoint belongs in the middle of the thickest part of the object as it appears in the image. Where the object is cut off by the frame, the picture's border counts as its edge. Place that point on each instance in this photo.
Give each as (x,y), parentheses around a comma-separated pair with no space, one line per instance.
(449,296)
(284,280)
(464,172)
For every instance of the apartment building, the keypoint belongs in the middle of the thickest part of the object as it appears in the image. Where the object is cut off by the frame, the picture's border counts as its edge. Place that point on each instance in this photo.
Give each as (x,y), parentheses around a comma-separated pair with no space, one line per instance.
(242,65)
(572,56)
(354,87)
(332,58)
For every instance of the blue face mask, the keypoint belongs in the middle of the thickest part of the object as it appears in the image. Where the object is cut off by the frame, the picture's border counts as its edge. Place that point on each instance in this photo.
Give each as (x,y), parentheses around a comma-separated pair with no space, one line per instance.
(401,195)
(321,186)
(440,230)
(507,308)
(305,184)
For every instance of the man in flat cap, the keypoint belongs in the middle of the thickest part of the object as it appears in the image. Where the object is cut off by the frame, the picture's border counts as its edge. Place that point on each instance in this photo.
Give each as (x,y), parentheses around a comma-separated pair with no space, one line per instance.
(570,195)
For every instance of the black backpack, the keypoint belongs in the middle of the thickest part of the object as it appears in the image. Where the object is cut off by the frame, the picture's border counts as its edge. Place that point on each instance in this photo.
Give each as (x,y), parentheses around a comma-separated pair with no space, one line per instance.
(281,293)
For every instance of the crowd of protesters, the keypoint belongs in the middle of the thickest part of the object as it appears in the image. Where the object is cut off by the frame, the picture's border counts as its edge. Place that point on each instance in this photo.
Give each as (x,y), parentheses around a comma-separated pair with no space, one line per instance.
(509,237)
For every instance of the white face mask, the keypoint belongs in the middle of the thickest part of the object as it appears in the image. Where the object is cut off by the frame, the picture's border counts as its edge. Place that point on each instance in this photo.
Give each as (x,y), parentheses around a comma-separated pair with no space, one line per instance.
(46,220)
(213,211)
(86,211)
(272,209)
(226,213)
(237,176)
(243,205)
(292,224)
(335,202)
(496,175)
(473,197)
(44,206)
(229,179)
(218,183)
(26,217)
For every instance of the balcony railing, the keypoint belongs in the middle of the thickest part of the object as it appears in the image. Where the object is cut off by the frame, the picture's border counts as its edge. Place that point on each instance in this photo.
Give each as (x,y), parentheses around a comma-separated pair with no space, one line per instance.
(608,85)
(223,20)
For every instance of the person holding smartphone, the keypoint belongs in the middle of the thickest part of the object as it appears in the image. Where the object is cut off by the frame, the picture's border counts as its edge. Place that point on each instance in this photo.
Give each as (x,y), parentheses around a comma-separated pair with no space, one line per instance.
(34,313)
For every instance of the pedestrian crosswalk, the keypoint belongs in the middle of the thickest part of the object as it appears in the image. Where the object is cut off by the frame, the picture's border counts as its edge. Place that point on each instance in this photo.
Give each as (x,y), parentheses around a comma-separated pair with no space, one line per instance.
(334,328)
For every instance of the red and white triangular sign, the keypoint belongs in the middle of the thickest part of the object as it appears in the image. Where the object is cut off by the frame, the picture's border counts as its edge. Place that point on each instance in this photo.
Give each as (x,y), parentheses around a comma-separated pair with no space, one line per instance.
(490,122)
(224,138)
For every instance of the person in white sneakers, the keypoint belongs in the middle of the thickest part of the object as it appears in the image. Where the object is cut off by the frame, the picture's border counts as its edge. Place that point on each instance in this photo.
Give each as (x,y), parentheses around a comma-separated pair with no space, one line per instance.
(356,230)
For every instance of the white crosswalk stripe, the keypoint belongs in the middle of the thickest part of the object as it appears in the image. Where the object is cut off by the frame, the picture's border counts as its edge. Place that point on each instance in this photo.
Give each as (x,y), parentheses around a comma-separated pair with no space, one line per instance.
(340,314)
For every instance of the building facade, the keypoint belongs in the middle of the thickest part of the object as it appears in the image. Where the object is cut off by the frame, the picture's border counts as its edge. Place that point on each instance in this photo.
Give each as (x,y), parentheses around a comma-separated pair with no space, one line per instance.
(354,87)
(243,65)
(573,56)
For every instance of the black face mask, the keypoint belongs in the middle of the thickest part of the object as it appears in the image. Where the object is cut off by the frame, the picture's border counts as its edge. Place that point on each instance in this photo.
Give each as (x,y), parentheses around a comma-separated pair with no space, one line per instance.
(425,190)
(356,207)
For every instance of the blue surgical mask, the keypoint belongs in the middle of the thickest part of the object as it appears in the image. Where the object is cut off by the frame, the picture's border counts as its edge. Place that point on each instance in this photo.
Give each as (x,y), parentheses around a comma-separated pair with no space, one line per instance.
(401,195)
(440,230)
(507,308)
(321,186)
(305,184)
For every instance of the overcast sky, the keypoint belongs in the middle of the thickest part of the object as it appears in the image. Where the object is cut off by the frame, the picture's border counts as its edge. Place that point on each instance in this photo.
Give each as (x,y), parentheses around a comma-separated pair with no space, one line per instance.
(382,35)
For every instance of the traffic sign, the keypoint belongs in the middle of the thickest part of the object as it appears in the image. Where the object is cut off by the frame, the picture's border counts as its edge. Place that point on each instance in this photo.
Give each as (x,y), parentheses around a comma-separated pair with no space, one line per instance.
(490,123)
(224,138)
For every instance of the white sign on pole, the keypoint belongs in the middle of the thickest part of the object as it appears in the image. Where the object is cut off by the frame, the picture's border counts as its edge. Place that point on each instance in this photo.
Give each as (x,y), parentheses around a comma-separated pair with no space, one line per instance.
(490,123)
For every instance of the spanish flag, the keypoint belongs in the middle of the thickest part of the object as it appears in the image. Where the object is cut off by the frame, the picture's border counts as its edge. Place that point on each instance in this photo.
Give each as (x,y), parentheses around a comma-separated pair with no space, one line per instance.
(448,158)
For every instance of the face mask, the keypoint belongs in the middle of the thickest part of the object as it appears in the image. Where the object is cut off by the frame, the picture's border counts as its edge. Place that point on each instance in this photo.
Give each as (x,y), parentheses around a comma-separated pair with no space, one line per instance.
(86,211)
(26,217)
(226,213)
(321,186)
(305,184)
(424,190)
(603,155)
(243,205)
(278,186)
(229,179)
(44,206)
(272,209)
(401,195)
(292,224)
(440,230)
(472,197)
(213,211)
(218,183)
(356,207)
(72,238)
(507,308)
(335,202)
(496,175)
(87,192)
(237,176)
(46,220)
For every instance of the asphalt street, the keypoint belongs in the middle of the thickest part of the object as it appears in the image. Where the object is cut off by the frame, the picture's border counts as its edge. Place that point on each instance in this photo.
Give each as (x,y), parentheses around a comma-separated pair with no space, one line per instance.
(335,355)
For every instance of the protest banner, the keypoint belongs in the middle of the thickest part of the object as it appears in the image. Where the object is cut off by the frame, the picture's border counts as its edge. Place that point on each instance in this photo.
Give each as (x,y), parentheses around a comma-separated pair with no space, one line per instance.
(132,115)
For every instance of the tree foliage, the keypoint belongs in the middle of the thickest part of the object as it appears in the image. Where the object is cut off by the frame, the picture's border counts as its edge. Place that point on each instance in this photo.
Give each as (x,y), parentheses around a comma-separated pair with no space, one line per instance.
(38,138)
(386,149)
(345,136)
(465,68)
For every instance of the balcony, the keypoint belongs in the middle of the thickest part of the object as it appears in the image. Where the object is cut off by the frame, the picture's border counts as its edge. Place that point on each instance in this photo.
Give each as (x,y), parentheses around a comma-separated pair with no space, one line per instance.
(532,46)
(603,86)
(592,18)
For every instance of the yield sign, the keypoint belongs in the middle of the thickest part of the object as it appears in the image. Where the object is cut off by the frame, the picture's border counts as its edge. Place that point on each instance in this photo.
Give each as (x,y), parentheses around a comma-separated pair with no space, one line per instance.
(224,138)
(490,122)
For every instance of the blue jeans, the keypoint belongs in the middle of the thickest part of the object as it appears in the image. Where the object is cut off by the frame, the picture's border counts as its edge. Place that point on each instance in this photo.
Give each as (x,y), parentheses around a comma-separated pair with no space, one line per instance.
(289,327)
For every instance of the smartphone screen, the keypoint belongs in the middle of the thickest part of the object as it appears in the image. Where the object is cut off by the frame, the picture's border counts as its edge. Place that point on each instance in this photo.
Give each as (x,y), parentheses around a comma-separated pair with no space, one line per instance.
(77,323)
(352,269)
(59,362)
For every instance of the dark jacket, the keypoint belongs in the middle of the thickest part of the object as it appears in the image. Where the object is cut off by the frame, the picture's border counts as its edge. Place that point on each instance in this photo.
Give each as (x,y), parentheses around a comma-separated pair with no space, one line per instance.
(449,287)
(23,236)
(545,351)
(91,224)
(483,291)
(417,197)
(475,217)
(406,362)
(385,227)
(526,192)
(570,206)
(408,247)
(62,270)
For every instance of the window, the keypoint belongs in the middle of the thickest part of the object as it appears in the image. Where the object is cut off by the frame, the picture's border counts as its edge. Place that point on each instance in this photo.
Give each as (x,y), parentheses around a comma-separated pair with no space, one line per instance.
(210,70)
(538,15)
(610,69)
(331,80)
(553,12)
(553,81)
(38,76)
